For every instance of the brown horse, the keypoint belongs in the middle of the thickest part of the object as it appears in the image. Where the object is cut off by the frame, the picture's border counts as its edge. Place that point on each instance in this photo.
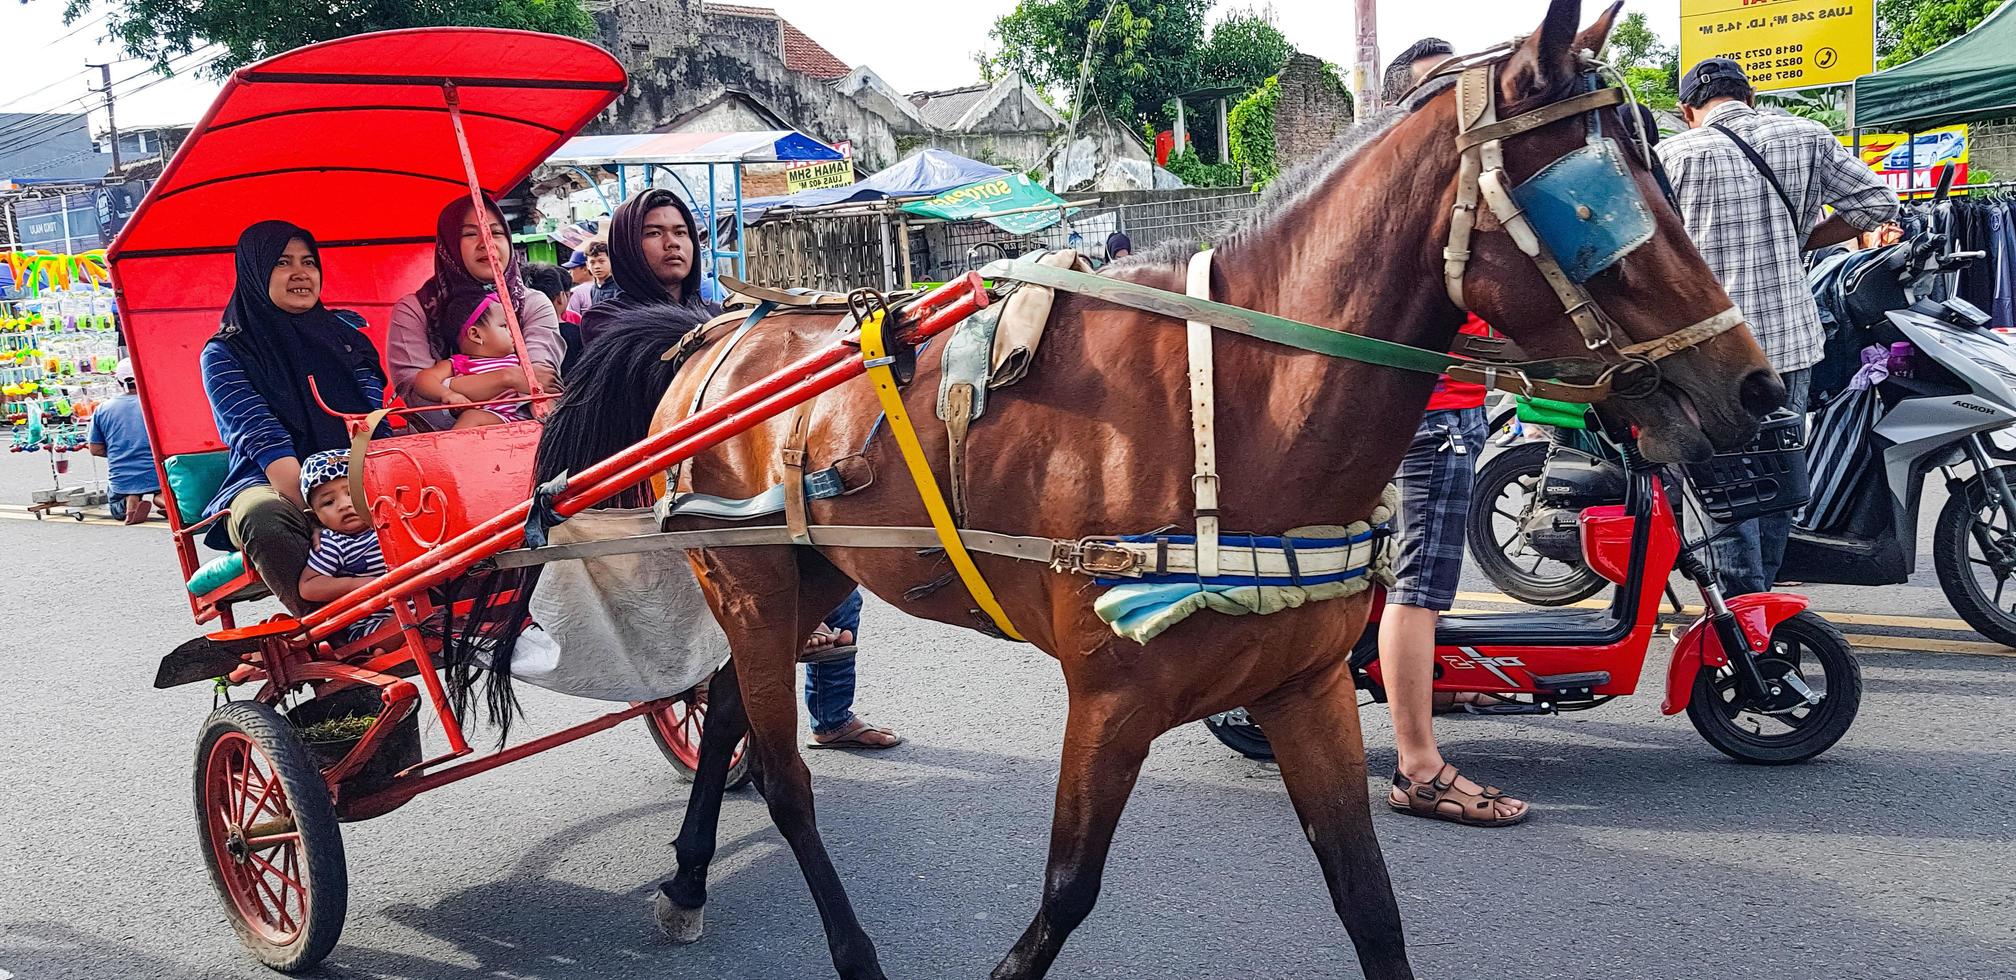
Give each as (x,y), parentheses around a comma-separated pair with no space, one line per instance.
(1096,440)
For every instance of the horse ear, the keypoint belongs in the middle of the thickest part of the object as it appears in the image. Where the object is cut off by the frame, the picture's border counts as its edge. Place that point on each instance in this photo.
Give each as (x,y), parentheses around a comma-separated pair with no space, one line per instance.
(1545,60)
(1596,35)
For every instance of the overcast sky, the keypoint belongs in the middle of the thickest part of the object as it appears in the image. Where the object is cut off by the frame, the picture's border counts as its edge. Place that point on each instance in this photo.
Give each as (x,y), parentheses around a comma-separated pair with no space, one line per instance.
(914,44)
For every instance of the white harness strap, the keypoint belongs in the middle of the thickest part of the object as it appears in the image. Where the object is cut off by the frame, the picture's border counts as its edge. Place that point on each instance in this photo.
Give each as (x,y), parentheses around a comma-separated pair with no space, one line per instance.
(1204,482)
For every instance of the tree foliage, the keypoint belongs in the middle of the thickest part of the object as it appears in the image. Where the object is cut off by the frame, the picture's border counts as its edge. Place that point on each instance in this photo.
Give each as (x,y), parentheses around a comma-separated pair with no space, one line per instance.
(164,31)
(1143,55)
(1906,29)
(1651,68)
(1252,126)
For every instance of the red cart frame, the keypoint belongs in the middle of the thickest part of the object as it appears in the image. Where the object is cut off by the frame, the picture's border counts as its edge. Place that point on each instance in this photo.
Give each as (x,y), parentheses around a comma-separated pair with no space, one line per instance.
(362,141)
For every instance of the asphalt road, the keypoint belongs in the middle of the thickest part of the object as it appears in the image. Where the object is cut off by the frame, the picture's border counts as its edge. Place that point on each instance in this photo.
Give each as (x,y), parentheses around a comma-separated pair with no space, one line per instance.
(1651,856)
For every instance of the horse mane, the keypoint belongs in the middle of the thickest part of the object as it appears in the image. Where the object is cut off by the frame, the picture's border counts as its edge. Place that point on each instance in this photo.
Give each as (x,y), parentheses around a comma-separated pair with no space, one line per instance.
(1290,190)
(610,398)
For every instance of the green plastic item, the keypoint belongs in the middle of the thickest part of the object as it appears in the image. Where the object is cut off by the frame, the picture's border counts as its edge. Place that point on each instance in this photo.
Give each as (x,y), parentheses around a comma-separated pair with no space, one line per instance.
(1547,411)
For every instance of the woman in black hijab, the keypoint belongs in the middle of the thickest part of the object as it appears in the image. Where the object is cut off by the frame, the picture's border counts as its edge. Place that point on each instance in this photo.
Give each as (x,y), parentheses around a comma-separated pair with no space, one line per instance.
(654,258)
(276,335)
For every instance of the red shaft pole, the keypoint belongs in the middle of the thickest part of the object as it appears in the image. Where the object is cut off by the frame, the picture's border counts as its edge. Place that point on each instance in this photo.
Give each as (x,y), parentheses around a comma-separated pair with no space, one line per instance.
(696,433)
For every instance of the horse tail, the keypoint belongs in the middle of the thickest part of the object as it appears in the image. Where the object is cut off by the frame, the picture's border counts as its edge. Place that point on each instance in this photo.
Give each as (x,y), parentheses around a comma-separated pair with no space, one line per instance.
(608,402)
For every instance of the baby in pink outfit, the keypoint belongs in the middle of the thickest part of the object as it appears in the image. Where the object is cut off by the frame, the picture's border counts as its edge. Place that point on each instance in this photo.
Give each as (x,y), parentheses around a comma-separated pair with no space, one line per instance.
(487,359)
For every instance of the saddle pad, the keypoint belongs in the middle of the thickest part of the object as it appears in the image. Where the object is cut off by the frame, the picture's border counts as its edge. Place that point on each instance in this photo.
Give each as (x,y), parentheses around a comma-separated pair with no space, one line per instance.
(1023,317)
(966,360)
(1260,576)
(829,482)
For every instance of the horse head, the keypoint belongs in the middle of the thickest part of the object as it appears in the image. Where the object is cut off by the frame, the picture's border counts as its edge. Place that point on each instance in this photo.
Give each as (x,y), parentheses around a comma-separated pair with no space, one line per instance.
(1561,234)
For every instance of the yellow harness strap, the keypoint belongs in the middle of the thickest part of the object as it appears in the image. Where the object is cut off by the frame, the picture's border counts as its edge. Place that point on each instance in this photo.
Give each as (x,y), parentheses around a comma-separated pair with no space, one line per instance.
(875,357)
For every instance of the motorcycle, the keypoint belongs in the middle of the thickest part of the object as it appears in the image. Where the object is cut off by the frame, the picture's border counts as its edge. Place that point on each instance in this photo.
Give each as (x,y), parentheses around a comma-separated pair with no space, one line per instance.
(1948,409)
(1762,678)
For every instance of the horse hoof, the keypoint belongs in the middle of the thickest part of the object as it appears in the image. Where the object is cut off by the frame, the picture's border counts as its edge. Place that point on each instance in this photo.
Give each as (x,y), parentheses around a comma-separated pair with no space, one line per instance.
(681,925)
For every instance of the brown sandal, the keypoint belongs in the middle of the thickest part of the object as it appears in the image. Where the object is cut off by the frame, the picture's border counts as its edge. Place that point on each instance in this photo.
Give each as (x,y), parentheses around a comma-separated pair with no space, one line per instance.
(1475,809)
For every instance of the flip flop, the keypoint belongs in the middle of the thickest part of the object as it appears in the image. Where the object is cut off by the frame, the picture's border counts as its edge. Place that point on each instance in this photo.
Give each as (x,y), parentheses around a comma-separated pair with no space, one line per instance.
(850,737)
(826,654)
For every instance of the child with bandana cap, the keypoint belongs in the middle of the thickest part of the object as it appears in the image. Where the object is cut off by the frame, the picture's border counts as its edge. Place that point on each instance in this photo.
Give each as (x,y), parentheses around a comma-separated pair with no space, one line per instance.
(346,555)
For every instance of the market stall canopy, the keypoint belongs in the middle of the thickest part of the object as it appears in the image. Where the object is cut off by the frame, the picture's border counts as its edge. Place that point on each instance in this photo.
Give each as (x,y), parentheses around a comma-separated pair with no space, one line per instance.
(921,174)
(1014,204)
(350,139)
(1967,79)
(769,146)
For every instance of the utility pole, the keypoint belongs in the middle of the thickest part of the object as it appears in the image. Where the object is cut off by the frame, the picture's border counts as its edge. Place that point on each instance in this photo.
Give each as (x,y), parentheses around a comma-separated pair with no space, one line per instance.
(1365,73)
(111,124)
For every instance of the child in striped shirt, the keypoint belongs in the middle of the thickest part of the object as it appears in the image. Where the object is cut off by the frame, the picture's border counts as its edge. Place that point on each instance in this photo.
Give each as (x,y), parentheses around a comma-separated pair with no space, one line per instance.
(484,340)
(346,555)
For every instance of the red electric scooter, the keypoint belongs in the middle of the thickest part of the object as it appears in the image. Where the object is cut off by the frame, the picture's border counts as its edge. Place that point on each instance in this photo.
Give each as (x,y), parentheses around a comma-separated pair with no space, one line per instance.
(1762,678)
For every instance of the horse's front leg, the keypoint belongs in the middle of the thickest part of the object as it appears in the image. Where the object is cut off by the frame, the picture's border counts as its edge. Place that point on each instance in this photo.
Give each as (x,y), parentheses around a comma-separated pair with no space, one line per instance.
(1106,738)
(682,901)
(1312,723)
(773,605)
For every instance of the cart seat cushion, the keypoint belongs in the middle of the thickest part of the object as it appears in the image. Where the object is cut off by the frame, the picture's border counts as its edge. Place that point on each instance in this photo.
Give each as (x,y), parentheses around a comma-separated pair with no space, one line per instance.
(194,479)
(217,573)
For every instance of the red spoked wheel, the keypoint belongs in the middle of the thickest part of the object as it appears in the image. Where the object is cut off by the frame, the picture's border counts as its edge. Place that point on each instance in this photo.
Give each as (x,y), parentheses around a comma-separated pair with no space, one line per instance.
(270,836)
(677,729)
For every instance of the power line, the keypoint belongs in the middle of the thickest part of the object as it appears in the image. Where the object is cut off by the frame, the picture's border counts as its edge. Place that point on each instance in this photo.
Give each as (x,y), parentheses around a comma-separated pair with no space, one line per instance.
(29,95)
(73,32)
(18,134)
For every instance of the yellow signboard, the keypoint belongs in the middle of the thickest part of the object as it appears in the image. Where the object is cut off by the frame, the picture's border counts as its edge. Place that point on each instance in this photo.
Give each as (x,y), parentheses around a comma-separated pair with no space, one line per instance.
(825,173)
(1782,44)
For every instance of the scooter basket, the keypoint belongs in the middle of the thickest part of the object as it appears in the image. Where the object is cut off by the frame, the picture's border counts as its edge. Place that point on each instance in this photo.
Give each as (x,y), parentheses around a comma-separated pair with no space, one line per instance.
(1766,477)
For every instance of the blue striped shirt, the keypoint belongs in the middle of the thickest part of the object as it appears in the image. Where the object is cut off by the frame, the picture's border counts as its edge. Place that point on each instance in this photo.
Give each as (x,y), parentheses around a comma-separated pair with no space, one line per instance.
(248,427)
(340,555)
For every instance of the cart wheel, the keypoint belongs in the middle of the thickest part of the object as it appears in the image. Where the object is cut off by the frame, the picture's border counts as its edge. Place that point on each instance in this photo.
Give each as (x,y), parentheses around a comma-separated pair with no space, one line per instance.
(269,836)
(1808,659)
(677,730)
(78,515)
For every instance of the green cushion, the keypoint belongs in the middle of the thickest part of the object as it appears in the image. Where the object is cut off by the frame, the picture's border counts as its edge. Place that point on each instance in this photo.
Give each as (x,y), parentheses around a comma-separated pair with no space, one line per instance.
(216,573)
(194,478)
(1547,411)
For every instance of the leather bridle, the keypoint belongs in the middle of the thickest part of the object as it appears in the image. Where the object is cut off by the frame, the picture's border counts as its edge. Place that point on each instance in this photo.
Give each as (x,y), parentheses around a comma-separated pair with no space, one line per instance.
(1630,371)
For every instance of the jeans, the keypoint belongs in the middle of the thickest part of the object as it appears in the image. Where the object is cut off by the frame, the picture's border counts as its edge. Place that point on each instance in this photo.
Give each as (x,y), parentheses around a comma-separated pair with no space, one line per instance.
(1747,557)
(829,686)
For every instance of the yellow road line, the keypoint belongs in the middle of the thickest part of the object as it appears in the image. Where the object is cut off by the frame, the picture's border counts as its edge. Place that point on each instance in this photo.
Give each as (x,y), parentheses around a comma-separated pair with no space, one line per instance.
(1926,644)
(1838,618)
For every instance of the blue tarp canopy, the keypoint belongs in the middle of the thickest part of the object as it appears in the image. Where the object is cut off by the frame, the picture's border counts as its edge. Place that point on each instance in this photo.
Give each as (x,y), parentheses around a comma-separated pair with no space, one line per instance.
(922,174)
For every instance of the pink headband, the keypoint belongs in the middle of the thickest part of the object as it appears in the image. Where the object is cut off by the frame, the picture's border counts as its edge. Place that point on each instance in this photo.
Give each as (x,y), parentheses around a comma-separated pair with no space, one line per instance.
(489,300)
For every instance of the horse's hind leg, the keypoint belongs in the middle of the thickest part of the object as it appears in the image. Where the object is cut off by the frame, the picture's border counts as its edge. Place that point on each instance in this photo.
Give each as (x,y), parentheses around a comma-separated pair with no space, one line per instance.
(681,903)
(1106,738)
(1312,723)
(772,602)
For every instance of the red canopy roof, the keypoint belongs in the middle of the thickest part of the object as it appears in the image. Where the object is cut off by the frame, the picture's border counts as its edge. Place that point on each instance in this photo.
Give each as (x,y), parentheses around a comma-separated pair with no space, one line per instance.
(351,140)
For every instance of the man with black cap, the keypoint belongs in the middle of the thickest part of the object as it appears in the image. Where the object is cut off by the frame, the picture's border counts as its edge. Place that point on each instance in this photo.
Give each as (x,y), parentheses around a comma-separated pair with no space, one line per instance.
(1751,187)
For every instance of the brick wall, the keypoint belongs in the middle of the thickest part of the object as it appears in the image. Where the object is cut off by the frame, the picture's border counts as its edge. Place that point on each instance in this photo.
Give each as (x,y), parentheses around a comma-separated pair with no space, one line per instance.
(1311,113)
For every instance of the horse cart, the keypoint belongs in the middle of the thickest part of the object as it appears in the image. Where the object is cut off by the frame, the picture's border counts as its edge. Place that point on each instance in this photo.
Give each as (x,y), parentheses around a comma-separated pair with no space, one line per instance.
(363,139)
(302,136)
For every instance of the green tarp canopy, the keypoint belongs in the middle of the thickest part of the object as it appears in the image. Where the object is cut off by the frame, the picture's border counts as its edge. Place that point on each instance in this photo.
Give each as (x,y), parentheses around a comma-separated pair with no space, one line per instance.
(1033,208)
(1967,79)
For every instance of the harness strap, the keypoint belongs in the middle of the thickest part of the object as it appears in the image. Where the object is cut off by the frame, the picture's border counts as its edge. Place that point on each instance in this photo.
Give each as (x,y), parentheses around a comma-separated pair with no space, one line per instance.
(876,359)
(1203,413)
(360,441)
(1526,122)
(793,453)
(1537,378)
(755,316)
(958,421)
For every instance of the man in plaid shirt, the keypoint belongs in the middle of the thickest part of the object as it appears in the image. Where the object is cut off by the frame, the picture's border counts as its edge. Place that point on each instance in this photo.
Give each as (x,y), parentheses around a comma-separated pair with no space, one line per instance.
(1753,235)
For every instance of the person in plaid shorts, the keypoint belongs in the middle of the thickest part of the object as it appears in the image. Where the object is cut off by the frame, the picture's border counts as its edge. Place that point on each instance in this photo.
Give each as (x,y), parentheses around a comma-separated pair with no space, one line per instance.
(1753,226)
(1435,482)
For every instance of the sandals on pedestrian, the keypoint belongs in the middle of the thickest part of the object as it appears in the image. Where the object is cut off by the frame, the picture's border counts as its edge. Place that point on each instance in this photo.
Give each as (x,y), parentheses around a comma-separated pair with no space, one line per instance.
(827,644)
(1435,798)
(856,734)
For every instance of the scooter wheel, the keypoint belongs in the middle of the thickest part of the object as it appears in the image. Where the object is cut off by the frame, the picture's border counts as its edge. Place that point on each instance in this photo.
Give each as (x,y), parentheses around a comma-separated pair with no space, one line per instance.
(1806,652)
(1498,505)
(1975,579)
(1238,731)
